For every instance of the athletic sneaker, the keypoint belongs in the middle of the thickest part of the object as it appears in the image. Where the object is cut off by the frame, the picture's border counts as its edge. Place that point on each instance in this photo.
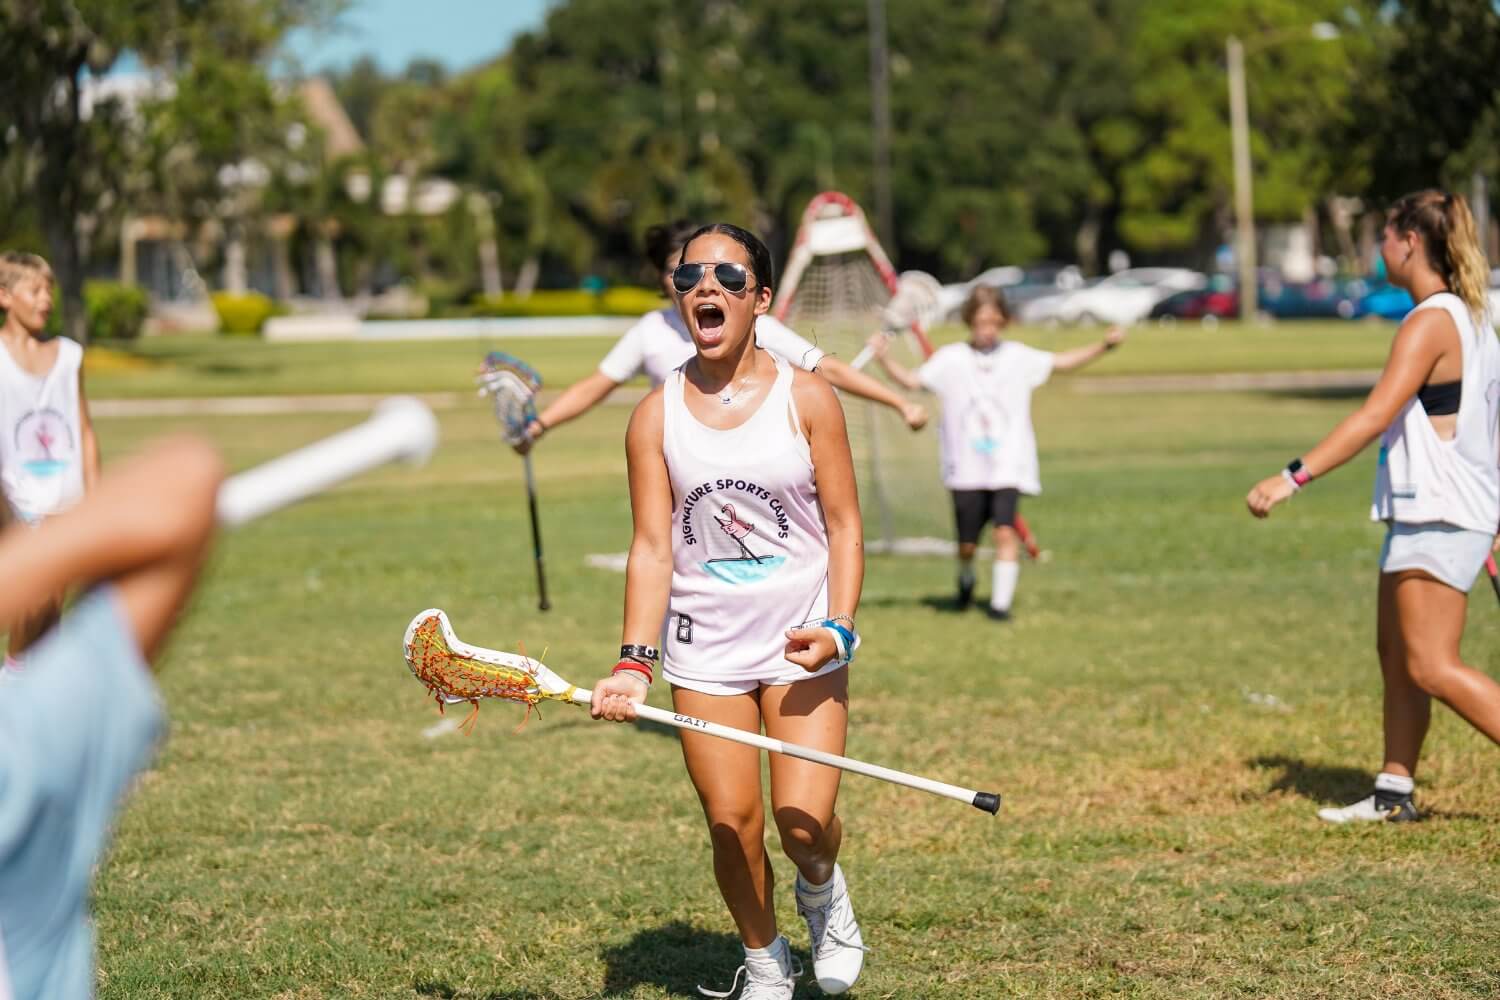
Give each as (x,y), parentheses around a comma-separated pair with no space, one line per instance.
(767,977)
(837,948)
(1377,808)
(996,614)
(965,594)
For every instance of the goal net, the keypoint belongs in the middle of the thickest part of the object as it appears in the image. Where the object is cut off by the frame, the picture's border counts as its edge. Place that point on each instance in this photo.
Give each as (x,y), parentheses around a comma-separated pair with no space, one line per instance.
(835,293)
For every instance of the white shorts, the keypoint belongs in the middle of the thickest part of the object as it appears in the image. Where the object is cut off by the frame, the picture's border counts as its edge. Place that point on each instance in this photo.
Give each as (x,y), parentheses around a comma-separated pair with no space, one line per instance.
(1448,553)
(790,675)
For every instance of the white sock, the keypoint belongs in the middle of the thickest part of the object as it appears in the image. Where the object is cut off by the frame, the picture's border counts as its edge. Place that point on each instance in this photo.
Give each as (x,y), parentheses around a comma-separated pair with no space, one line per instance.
(808,892)
(1003,586)
(1396,783)
(772,951)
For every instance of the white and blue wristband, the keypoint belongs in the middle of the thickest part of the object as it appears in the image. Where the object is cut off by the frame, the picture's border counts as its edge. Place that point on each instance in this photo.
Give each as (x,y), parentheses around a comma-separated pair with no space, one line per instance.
(845,639)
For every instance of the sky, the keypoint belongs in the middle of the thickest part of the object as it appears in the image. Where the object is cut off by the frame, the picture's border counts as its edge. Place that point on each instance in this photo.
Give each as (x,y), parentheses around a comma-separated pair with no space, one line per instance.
(457,33)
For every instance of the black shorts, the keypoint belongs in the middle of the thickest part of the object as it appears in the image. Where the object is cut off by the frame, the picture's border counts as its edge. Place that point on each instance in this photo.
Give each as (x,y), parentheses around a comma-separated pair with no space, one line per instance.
(972,508)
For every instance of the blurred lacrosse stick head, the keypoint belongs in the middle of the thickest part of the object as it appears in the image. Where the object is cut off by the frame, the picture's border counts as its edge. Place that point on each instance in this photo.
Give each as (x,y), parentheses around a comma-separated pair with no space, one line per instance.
(454,671)
(917,302)
(512,386)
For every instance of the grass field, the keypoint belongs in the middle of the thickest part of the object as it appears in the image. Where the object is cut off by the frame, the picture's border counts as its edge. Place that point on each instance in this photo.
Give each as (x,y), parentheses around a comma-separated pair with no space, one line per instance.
(217,366)
(1181,689)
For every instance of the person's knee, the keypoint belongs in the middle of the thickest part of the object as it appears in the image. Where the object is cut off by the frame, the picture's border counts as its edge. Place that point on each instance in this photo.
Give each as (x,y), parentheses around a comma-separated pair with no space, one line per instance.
(732,826)
(1007,542)
(801,833)
(966,550)
(1429,671)
(197,472)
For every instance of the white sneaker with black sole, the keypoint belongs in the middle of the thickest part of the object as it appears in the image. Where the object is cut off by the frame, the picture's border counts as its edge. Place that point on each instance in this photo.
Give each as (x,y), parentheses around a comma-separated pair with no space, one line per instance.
(767,977)
(1375,808)
(837,948)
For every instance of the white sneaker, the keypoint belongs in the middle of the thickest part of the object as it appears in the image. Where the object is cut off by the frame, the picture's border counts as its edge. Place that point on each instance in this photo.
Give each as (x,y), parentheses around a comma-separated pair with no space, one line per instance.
(837,948)
(1367,810)
(772,977)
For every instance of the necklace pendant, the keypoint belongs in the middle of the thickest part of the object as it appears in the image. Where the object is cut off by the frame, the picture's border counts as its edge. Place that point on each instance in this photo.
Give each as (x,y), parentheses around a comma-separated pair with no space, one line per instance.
(726,400)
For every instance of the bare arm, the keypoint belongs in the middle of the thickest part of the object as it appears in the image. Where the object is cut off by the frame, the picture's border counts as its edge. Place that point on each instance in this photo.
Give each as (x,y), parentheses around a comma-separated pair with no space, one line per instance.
(1067,361)
(849,379)
(648,571)
(1420,343)
(573,402)
(89,442)
(833,470)
(902,376)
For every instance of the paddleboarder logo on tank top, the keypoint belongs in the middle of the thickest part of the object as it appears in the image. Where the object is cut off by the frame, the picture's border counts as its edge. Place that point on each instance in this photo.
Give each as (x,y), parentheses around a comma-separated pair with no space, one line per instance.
(740,544)
(44,443)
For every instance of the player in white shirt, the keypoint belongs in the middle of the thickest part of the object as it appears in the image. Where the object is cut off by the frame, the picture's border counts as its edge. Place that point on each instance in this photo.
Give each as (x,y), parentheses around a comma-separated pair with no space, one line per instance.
(745,568)
(659,344)
(987,443)
(1436,409)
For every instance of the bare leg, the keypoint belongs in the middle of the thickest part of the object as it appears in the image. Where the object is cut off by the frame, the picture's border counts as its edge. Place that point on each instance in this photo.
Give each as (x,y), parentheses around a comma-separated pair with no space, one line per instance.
(1432,623)
(727,778)
(1007,543)
(814,713)
(1407,709)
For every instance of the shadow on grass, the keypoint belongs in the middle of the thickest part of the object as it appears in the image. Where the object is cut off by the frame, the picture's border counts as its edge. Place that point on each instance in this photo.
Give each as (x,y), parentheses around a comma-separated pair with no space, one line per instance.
(1315,781)
(1329,392)
(447,991)
(676,957)
(943,603)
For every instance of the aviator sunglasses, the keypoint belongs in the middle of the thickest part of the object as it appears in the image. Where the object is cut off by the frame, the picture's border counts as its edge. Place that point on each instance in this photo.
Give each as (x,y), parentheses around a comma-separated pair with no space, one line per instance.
(733,278)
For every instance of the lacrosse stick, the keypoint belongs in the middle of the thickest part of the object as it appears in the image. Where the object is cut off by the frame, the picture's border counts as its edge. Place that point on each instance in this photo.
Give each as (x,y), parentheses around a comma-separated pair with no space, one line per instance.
(456,672)
(512,386)
(401,428)
(916,305)
(1494,572)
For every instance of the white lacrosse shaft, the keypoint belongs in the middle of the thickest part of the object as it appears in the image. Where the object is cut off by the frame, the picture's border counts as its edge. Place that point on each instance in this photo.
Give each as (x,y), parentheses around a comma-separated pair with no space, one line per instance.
(987,801)
(401,429)
(867,352)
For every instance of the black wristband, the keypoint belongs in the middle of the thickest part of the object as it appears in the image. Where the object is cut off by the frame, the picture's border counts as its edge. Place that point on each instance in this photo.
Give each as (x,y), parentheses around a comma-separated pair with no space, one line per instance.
(633,651)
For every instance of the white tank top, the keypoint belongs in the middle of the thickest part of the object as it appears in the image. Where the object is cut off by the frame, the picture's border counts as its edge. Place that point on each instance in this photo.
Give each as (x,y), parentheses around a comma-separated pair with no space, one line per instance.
(41,455)
(1422,478)
(749,542)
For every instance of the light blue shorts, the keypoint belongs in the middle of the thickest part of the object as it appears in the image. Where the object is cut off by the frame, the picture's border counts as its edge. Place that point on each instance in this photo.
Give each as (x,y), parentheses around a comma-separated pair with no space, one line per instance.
(1445,552)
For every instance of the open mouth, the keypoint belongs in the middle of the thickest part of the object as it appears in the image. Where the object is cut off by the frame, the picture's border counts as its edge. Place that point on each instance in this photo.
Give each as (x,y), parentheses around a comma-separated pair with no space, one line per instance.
(710,319)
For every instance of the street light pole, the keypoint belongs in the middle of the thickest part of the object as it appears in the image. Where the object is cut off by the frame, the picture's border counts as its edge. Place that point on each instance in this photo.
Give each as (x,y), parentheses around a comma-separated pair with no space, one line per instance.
(1244,201)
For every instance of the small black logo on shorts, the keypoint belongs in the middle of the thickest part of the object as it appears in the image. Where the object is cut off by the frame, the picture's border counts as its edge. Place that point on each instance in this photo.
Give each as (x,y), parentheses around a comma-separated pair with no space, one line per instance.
(684,630)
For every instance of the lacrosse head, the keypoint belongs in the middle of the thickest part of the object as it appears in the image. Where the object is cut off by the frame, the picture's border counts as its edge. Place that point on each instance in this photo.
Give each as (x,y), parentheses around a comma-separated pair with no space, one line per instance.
(455,671)
(917,302)
(512,386)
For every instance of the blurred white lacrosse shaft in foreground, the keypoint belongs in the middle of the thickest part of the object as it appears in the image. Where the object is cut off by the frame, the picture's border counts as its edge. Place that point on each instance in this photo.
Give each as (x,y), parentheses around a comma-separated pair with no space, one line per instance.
(401,429)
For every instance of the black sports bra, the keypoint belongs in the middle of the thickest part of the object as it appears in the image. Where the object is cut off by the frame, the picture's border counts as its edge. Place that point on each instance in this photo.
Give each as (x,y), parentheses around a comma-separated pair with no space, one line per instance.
(1440,398)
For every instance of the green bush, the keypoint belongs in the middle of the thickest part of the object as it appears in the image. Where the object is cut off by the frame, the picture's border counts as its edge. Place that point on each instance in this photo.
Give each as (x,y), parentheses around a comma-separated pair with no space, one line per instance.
(242,314)
(628,300)
(622,301)
(114,311)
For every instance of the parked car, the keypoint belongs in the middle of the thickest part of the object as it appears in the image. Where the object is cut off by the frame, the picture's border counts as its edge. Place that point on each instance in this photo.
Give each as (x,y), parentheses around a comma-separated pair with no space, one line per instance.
(1124,297)
(1324,298)
(1020,284)
(1220,300)
(1384,300)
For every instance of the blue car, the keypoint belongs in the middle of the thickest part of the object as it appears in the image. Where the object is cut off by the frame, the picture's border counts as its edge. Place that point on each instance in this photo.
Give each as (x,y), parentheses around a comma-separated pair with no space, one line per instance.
(1385,301)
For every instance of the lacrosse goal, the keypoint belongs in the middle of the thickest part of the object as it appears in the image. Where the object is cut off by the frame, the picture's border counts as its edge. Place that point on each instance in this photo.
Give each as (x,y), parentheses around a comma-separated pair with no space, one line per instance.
(836,292)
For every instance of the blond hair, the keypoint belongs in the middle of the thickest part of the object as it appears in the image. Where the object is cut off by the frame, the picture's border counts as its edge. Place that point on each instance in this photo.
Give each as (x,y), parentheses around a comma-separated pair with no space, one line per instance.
(16,265)
(1447,228)
(981,296)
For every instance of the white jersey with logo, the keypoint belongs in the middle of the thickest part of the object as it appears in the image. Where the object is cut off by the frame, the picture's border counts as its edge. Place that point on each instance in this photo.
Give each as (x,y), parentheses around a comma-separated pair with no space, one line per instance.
(1422,478)
(749,541)
(41,456)
(985,437)
(659,344)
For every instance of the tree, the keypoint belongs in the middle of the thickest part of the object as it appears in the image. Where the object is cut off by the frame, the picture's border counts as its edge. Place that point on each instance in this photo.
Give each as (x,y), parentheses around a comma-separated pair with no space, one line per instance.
(49,47)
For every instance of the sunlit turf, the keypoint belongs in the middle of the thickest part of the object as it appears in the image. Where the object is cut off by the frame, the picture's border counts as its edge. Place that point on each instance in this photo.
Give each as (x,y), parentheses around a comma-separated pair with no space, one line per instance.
(226,366)
(1180,690)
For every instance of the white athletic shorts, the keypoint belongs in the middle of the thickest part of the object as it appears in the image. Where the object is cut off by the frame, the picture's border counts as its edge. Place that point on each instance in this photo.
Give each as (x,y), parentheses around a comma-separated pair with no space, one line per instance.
(789,674)
(1448,553)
